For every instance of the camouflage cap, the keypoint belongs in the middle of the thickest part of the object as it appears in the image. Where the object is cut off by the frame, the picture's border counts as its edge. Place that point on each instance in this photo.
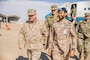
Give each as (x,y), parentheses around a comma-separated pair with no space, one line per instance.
(87,14)
(31,11)
(54,7)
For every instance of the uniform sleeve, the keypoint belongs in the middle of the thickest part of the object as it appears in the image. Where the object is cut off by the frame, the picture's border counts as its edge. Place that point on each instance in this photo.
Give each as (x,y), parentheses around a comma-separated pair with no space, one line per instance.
(47,24)
(51,38)
(77,27)
(74,37)
(44,33)
(78,31)
(83,28)
(21,35)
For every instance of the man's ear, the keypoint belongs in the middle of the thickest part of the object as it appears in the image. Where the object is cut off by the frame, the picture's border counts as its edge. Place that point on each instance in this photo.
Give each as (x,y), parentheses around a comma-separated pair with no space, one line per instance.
(65,14)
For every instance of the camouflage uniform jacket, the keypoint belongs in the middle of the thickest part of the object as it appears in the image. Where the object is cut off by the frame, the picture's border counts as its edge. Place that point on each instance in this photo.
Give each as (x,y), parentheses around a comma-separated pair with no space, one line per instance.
(85,28)
(50,20)
(34,34)
(64,35)
(78,31)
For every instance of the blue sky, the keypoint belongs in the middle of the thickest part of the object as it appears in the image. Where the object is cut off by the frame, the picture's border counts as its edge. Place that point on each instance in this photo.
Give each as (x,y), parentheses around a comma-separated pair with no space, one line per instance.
(61,1)
(51,1)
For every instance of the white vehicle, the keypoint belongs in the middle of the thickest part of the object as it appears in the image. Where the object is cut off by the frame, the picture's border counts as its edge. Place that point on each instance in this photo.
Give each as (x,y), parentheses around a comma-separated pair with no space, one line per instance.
(81,7)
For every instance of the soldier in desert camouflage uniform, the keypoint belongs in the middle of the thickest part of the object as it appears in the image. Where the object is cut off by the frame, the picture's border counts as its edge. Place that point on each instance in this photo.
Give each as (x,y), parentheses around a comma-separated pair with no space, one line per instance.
(34,34)
(62,37)
(83,31)
(51,19)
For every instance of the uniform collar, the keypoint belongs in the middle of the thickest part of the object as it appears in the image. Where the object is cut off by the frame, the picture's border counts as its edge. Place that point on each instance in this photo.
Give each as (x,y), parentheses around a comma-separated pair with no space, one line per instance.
(54,15)
(33,21)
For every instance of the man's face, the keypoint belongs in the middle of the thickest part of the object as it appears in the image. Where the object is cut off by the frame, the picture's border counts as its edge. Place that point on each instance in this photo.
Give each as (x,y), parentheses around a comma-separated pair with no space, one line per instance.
(87,17)
(62,15)
(32,17)
(54,12)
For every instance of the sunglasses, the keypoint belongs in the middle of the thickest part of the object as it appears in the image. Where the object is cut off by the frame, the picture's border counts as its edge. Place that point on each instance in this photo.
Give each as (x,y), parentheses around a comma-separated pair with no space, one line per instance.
(31,15)
(53,10)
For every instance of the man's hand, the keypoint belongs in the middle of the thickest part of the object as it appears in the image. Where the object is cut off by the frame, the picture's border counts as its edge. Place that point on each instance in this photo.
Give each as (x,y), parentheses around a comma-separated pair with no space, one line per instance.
(20,45)
(44,45)
(72,53)
(49,51)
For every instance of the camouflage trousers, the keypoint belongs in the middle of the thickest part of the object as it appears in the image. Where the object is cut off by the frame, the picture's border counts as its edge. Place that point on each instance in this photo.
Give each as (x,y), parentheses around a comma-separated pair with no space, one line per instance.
(33,55)
(83,46)
(58,56)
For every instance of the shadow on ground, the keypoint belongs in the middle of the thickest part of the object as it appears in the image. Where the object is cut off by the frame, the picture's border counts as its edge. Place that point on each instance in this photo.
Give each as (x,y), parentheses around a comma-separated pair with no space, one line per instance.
(43,57)
(21,58)
(75,57)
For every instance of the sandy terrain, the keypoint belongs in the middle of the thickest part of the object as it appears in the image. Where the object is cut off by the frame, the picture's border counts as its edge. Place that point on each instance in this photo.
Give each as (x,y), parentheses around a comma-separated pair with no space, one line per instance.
(9,43)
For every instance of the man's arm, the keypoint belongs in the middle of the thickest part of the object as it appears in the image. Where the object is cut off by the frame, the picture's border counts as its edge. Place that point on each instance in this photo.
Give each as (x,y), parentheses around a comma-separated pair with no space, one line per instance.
(45,34)
(74,41)
(21,38)
(74,37)
(51,36)
(47,24)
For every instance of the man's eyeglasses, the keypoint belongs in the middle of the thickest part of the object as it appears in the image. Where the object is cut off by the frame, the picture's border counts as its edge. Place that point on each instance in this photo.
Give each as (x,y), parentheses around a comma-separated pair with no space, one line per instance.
(53,10)
(31,15)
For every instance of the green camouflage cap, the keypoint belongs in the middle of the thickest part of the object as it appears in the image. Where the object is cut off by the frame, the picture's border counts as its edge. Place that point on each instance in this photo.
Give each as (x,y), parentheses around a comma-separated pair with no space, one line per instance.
(31,11)
(87,14)
(54,7)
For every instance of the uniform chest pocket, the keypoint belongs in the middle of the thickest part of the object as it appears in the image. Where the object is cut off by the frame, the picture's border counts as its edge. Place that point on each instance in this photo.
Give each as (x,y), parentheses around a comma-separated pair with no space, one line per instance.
(51,22)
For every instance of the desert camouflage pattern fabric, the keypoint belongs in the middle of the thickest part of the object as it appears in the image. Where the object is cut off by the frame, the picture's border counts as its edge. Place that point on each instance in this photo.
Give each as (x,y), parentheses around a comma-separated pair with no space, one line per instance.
(64,35)
(50,20)
(85,27)
(83,42)
(34,34)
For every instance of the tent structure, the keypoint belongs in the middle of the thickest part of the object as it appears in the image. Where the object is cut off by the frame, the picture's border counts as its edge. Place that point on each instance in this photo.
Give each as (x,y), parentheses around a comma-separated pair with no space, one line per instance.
(9,18)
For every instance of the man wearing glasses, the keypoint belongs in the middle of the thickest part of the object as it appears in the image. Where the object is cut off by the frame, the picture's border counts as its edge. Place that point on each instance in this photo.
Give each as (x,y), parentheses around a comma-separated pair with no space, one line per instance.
(51,19)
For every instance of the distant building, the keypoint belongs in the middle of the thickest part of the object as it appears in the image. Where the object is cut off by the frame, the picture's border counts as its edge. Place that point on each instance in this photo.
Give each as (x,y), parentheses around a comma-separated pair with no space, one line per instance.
(9,18)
